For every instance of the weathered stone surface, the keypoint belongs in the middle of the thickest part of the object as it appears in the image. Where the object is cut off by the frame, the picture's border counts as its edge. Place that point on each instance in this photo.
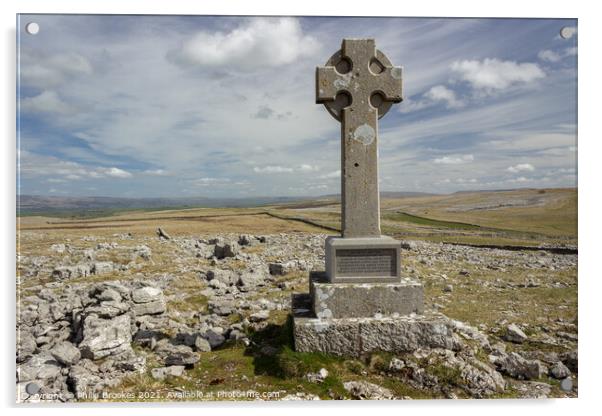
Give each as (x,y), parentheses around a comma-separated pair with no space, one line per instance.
(104,337)
(172,371)
(559,370)
(146,294)
(226,249)
(515,334)
(519,367)
(363,260)
(363,390)
(357,85)
(176,354)
(42,366)
(149,308)
(102,267)
(348,300)
(227,277)
(356,336)
(66,353)
(201,344)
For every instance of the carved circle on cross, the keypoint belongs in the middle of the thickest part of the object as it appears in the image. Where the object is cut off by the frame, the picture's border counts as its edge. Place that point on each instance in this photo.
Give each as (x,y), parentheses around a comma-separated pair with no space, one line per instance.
(343,99)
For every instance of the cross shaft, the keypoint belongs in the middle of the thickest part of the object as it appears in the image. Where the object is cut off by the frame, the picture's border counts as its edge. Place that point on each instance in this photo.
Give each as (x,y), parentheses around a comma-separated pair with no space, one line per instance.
(362,87)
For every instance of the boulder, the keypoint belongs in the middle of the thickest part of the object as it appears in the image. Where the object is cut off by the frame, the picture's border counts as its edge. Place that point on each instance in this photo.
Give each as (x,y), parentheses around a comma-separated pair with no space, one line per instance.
(259,316)
(102,267)
(42,367)
(227,277)
(515,334)
(362,390)
(162,234)
(214,338)
(176,354)
(148,300)
(146,294)
(143,251)
(226,249)
(26,345)
(518,367)
(201,344)
(66,353)
(251,279)
(105,337)
(318,377)
(559,371)
(571,360)
(163,372)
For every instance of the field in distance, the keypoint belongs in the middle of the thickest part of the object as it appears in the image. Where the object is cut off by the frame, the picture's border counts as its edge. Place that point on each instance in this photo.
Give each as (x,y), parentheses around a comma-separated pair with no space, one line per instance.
(514,217)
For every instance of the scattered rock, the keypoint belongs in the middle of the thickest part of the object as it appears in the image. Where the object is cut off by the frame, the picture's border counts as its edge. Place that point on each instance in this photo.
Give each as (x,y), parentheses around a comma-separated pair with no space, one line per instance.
(362,390)
(66,353)
(259,316)
(171,371)
(559,371)
(162,234)
(318,377)
(519,367)
(226,249)
(102,267)
(105,337)
(570,359)
(515,334)
(201,344)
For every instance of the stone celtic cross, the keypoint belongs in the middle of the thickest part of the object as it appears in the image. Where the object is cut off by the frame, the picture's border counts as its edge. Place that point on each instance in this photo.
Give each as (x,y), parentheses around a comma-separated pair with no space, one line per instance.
(358,85)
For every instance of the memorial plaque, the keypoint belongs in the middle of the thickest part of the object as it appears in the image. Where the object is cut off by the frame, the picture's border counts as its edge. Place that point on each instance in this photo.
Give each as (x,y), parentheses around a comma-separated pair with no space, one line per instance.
(366,262)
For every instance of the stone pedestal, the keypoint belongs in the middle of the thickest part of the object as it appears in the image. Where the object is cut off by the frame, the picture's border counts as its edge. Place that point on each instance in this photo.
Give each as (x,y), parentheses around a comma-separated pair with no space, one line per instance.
(354,337)
(363,260)
(361,300)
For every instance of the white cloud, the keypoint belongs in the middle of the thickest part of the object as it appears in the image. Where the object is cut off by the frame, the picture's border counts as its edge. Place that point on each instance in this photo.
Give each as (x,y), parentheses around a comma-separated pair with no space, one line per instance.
(284,169)
(308,168)
(549,56)
(46,102)
(272,169)
(454,159)
(331,175)
(492,74)
(206,181)
(156,172)
(521,167)
(261,42)
(44,71)
(554,56)
(117,173)
(440,93)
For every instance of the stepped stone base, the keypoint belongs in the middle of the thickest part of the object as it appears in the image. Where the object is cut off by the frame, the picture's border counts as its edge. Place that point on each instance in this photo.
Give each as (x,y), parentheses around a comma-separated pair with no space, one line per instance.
(358,300)
(353,337)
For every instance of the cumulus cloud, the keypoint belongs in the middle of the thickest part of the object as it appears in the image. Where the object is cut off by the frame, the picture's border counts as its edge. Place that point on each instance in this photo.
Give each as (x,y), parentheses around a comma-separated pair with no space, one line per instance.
(440,93)
(45,102)
(454,159)
(556,56)
(117,173)
(259,42)
(521,167)
(492,74)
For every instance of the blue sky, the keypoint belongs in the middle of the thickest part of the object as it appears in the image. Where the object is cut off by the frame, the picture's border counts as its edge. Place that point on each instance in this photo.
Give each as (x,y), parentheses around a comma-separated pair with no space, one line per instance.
(145,106)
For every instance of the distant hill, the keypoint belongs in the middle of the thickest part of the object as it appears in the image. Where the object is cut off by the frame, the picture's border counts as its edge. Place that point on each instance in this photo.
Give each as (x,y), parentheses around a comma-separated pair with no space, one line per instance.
(384,194)
(34,204)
